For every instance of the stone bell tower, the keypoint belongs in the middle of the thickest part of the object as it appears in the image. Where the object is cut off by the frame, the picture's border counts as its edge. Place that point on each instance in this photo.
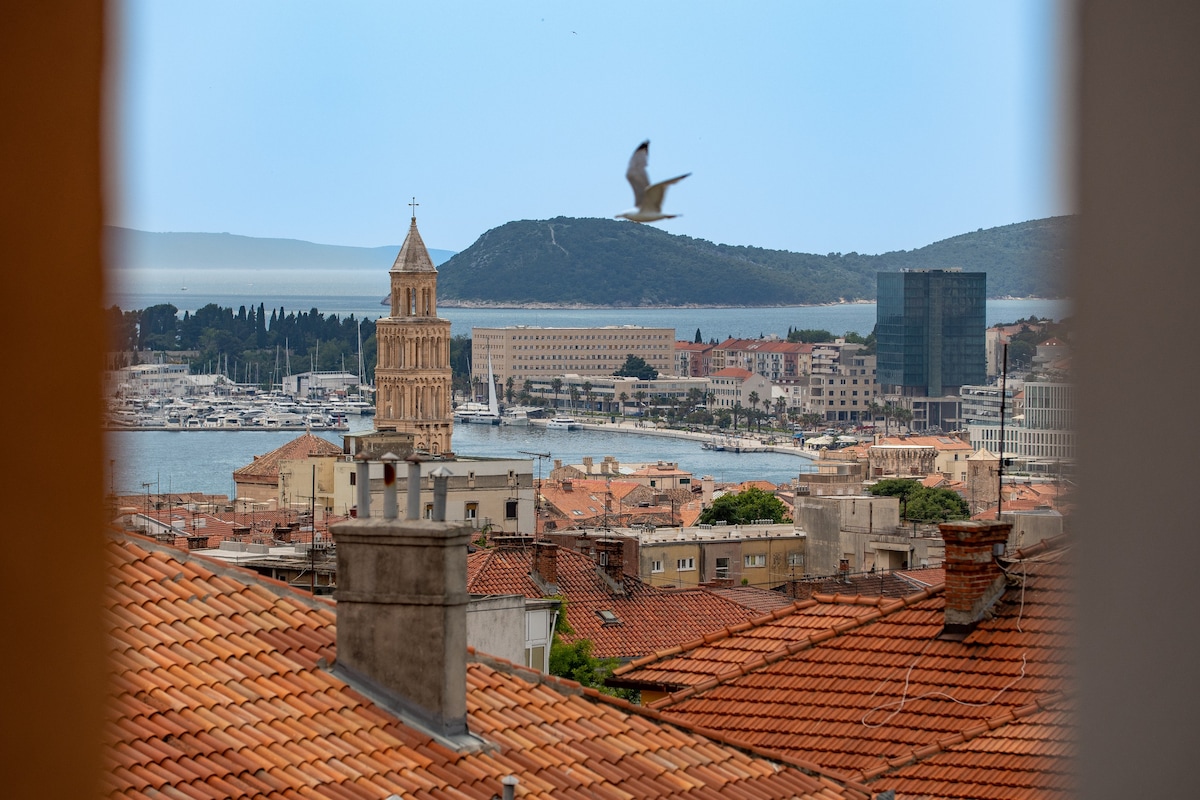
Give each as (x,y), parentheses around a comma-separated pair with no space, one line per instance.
(412,376)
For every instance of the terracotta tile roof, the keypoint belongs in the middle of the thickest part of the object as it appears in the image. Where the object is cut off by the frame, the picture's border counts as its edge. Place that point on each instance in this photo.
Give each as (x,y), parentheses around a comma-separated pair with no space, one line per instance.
(252,526)
(650,619)
(940,443)
(732,372)
(764,601)
(219,688)
(884,583)
(867,686)
(265,468)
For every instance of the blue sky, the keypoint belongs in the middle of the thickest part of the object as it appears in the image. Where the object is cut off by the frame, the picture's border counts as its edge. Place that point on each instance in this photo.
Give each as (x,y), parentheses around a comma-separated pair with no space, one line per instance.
(807,126)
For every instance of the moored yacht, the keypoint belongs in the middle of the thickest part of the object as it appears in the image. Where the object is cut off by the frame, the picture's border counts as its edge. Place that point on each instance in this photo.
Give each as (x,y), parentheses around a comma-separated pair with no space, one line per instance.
(564,423)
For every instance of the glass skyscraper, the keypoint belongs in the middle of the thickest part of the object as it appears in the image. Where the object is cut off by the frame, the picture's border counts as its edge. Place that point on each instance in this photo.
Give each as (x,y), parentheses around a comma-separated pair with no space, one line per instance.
(930,331)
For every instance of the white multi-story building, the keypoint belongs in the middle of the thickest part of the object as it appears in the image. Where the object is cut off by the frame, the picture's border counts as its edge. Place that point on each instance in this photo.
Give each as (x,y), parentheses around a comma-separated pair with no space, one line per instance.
(525,352)
(982,404)
(733,386)
(1038,430)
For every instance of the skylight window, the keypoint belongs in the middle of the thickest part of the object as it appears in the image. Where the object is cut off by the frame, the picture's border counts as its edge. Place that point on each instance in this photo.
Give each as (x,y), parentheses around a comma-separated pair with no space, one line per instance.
(608,617)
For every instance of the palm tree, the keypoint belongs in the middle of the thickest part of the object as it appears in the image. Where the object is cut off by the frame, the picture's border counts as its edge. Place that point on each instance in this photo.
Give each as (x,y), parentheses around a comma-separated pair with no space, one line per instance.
(527,390)
(754,400)
(624,398)
(508,389)
(573,391)
(556,385)
(587,395)
(640,397)
(781,411)
(736,411)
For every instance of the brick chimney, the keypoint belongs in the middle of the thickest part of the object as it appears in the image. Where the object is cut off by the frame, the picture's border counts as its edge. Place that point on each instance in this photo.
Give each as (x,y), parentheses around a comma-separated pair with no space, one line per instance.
(402,616)
(197,542)
(610,557)
(974,580)
(545,562)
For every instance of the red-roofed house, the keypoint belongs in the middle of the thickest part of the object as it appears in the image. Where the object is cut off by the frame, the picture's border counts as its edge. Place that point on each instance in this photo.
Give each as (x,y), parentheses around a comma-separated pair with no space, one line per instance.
(732,387)
(957,691)
(224,684)
(692,359)
(259,481)
(621,615)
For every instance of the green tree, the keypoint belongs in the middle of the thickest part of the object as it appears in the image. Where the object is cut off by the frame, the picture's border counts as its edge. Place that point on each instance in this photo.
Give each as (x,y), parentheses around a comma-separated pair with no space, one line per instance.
(810,336)
(574,659)
(754,401)
(587,394)
(624,398)
(556,385)
(508,389)
(921,503)
(636,367)
(640,397)
(745,507)
(699,338)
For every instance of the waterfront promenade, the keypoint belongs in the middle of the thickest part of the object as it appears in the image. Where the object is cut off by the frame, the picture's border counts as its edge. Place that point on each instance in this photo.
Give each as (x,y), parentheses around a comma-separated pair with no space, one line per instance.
(771,443)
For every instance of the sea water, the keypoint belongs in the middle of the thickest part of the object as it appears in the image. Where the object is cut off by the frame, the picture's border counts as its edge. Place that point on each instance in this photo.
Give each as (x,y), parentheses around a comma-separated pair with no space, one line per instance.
(154,461)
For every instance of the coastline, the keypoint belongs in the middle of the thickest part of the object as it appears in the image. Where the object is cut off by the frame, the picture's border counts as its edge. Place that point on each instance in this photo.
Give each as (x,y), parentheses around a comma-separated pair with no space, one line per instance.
(636,428)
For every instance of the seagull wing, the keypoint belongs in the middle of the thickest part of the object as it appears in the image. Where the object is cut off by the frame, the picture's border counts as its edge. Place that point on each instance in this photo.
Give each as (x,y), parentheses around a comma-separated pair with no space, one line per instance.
(652,198)
(636,172)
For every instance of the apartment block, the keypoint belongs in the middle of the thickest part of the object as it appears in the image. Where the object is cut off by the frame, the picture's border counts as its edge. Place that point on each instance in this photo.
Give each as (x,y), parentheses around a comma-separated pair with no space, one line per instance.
(842,385)
(524,352)
(772,358)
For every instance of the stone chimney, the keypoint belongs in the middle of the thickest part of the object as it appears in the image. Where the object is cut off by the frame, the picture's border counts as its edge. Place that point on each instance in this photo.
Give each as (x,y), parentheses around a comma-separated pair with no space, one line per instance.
(402,616)
(587,465)
(974,580)
(610,556)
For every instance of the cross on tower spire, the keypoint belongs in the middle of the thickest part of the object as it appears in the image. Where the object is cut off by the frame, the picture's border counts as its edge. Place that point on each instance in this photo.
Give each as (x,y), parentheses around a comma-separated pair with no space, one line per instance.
(414,205)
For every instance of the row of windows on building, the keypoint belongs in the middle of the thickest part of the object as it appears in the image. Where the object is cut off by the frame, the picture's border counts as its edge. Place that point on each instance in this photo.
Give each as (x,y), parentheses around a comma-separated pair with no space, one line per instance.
(749,561)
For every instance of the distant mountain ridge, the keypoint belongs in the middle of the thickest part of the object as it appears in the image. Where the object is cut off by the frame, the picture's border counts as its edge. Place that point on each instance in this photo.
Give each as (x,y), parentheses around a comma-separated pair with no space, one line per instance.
(589,262)
(133,249)
(600,262)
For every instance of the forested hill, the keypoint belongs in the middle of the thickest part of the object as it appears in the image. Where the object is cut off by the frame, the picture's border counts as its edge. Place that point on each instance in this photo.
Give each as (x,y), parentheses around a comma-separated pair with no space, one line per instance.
(599,262)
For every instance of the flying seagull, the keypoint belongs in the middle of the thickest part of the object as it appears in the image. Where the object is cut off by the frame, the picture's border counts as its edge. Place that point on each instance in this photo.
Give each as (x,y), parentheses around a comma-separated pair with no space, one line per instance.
(647,197)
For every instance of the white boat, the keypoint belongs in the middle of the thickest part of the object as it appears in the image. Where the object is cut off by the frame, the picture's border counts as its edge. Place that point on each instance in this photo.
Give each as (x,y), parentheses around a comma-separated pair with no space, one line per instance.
(564,423)
(478,413)
(472,413)
(515,415)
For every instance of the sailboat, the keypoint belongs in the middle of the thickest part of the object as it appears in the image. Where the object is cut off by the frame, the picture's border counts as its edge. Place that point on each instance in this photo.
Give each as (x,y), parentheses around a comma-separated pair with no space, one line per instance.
(478,413)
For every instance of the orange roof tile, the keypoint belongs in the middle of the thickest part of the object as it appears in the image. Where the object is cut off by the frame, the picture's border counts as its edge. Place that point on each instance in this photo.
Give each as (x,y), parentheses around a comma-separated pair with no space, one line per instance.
(867,686)
(649,618)
(266,467)
(222,690)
